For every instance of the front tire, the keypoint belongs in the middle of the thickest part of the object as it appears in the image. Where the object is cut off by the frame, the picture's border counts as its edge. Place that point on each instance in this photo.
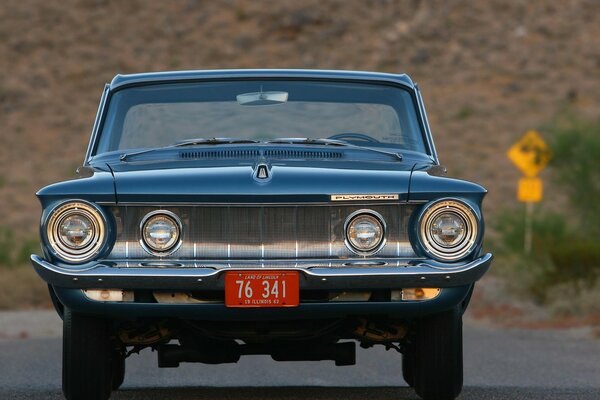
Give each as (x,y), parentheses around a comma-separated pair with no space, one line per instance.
(87,369)
(439,356)
(408,365)
(118,369)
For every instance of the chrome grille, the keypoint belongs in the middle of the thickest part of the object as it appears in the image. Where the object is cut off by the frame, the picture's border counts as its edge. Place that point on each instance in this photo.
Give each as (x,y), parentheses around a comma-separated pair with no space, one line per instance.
(262,232)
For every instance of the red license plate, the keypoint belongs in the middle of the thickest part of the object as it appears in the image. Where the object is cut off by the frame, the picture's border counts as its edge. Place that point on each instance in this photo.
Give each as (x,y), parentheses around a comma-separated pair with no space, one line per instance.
(262,289)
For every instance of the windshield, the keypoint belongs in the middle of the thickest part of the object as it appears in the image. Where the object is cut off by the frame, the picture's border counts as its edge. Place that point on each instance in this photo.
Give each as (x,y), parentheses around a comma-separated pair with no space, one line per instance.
(164,114)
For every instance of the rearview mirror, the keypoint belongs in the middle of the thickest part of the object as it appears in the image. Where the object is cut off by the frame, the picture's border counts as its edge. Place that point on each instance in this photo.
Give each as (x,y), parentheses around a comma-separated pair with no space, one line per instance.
(262,98)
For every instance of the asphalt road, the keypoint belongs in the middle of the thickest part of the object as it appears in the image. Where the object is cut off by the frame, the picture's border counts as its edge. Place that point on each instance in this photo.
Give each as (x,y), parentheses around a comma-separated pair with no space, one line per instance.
(499,364)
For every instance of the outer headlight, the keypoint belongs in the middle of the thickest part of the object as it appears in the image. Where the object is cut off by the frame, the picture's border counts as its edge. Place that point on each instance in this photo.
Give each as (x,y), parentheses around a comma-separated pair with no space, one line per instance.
(365,232)
(76,231)
(161,232)
(448,230)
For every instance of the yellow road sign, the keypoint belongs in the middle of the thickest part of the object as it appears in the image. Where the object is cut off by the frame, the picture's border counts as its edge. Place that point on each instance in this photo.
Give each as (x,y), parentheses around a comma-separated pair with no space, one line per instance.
(530,190)
(530,154)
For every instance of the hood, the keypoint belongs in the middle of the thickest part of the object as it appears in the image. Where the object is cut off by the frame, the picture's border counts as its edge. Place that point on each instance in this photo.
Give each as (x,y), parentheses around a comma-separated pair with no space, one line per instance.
(285,182)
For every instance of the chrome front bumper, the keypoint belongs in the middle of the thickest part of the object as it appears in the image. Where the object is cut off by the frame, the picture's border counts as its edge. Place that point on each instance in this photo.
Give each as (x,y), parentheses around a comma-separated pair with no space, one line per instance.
(423,273)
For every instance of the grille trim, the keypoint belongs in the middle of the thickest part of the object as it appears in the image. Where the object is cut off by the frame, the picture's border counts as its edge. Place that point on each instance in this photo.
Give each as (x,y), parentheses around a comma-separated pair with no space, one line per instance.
(262,232)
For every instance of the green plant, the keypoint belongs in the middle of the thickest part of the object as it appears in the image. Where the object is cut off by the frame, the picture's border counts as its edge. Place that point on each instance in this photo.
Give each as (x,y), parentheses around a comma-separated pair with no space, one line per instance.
(28,247)
(6,246)
(580,258)
(548,229)
(564,252)
(14,251)
(576,168)
(464,113)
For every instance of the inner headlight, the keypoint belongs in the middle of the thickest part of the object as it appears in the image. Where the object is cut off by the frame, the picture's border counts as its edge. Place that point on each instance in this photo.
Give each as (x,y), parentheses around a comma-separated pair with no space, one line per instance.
(75,231)
(161,232)
(365,231)
(449,230)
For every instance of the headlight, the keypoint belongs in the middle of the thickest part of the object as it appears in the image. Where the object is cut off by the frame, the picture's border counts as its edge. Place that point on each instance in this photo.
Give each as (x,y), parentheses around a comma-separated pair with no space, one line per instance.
(75,231)
(161,232)
(449,230)
(365,232)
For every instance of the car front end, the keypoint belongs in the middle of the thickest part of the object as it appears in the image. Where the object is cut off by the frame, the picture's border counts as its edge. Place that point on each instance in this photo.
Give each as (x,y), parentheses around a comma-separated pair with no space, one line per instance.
(263,235)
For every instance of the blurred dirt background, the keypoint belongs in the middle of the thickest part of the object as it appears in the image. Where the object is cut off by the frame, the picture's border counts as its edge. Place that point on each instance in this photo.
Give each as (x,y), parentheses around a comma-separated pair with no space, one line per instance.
(489,71)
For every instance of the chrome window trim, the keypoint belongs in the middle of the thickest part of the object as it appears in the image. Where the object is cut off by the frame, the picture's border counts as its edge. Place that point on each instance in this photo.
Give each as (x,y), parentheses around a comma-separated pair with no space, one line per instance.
(96,126)
(428,134)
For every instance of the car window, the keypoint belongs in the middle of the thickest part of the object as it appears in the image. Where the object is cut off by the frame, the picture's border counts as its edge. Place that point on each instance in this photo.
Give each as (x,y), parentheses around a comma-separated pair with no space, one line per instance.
(160,115)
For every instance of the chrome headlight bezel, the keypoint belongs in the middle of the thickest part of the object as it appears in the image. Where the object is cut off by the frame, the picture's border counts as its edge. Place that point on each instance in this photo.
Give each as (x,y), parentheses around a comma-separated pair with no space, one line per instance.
(176,243)
(370,214)
(459,209)
(69,253)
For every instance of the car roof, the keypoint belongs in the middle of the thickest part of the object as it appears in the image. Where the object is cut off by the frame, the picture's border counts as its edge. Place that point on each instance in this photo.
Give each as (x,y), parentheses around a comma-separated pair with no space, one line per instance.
(120,81)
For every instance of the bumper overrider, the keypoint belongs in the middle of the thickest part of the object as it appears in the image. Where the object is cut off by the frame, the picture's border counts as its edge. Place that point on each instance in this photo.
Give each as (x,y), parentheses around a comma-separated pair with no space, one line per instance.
(421,273)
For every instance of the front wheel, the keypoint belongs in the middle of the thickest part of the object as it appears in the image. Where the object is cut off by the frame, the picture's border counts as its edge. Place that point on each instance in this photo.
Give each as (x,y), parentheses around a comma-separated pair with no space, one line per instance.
(118,369)
(408,365)
(87,361)
(439,356)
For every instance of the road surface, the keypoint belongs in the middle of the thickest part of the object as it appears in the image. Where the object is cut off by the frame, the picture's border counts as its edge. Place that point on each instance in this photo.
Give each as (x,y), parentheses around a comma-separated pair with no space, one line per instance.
(499,364)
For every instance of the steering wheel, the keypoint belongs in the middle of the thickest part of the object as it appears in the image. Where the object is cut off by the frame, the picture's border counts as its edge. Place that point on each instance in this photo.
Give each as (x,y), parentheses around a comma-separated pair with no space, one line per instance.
(350,135)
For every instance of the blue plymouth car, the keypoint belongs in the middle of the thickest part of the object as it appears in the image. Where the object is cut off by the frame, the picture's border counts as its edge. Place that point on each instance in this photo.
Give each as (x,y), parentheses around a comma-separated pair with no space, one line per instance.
(291,213)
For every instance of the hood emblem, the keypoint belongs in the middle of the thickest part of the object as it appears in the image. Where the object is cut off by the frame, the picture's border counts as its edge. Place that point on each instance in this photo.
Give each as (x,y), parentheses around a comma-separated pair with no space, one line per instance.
(262,172)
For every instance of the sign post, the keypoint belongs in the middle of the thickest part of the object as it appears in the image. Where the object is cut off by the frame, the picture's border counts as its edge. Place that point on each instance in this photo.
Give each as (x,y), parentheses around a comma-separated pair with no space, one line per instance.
(531,155)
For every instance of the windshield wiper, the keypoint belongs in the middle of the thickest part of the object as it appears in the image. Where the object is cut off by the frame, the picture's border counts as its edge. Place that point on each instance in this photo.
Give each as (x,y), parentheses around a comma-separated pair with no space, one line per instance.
(189,142)
(200,141)
(304,141)
(333,142)
(325,142)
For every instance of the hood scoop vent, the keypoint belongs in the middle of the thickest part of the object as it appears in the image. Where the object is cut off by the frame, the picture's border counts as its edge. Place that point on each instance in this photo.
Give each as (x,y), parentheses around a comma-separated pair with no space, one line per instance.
(301,154)
(216,154)
(287,154)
